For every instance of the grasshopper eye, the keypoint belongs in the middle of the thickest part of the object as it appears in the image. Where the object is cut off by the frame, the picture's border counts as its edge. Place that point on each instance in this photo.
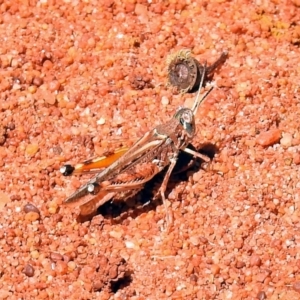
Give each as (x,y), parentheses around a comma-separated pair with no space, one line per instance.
(187,117)
(187,121)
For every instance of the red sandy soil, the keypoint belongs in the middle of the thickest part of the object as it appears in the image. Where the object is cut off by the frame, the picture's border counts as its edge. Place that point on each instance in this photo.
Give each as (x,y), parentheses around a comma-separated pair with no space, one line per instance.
(79,78)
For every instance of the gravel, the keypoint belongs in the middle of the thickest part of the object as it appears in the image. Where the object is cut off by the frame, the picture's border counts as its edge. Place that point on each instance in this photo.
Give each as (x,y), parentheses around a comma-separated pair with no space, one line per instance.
(80,78)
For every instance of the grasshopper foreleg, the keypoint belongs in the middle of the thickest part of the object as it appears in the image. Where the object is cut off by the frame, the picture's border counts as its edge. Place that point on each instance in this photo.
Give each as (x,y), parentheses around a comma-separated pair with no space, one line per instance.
(197,154)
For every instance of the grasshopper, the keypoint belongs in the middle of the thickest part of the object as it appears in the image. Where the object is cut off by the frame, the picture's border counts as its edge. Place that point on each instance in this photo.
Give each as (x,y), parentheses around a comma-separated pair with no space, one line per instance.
(126,171)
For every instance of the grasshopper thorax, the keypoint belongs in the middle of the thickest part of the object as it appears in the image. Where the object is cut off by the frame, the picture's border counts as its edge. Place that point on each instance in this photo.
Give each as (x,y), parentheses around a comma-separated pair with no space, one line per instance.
(186,118)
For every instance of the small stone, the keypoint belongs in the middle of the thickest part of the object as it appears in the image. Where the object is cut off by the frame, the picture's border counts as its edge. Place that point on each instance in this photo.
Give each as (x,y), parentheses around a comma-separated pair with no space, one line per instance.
(37,81)
(203,240)
(32,216)
(30,208)
(113,272)
(71,266)
(6,60)
(48,64)
(260,277)
(268,138)
(101,121)
(194,240)
(54,85)
(131,245)
(240,264)
(50,98)
(255,261)
(215,269)
(296,158)
(2,135)
(15,63)
(32,89)
(141,10)
(35,254)
(116,234)
(193,278)
(98,285)
(61,267)
(32,149)
(296,286)
(28,270)
(165,101)
(190,269)
(239,244)
(56,256)
(196,260)
(16,86)
(286,140)
(53,206)
(261,295)
(288,161)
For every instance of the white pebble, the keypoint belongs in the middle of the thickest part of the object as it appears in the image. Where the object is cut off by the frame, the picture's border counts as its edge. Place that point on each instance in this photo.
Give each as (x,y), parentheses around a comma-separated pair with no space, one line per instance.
(164,100)
(101,121)
(286,140)
(129,244)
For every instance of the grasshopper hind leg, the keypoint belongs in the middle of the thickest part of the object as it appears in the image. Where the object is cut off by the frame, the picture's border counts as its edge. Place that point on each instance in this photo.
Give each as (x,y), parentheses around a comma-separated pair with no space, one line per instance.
(162,190)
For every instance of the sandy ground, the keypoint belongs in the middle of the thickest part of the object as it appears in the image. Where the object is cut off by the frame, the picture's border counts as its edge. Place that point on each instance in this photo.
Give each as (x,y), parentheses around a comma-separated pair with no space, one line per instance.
(80,78)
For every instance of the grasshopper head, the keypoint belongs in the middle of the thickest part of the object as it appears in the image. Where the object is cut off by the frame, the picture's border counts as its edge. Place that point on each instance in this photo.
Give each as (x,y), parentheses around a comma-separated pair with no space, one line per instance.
(185,117)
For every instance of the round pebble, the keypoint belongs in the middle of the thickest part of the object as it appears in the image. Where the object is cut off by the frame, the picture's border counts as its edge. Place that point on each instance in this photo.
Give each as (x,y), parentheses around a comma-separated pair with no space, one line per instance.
(268,138)
(30,208)
(28,270)
(286,140)
(164,101)
(31,149)
(32,216)
(255,260)
(296,286)
(261,295)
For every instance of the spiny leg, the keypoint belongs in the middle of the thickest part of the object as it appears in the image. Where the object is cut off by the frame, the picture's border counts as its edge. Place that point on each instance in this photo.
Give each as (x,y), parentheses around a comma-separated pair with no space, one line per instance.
(197,154)
(188,164)
(169,215)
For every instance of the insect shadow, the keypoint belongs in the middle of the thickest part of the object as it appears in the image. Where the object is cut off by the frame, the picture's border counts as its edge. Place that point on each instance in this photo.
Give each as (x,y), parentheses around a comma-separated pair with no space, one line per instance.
(121,283)
(148,198)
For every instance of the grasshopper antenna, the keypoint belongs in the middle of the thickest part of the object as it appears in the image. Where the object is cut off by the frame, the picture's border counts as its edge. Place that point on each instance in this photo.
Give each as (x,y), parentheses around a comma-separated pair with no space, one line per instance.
(197,100)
